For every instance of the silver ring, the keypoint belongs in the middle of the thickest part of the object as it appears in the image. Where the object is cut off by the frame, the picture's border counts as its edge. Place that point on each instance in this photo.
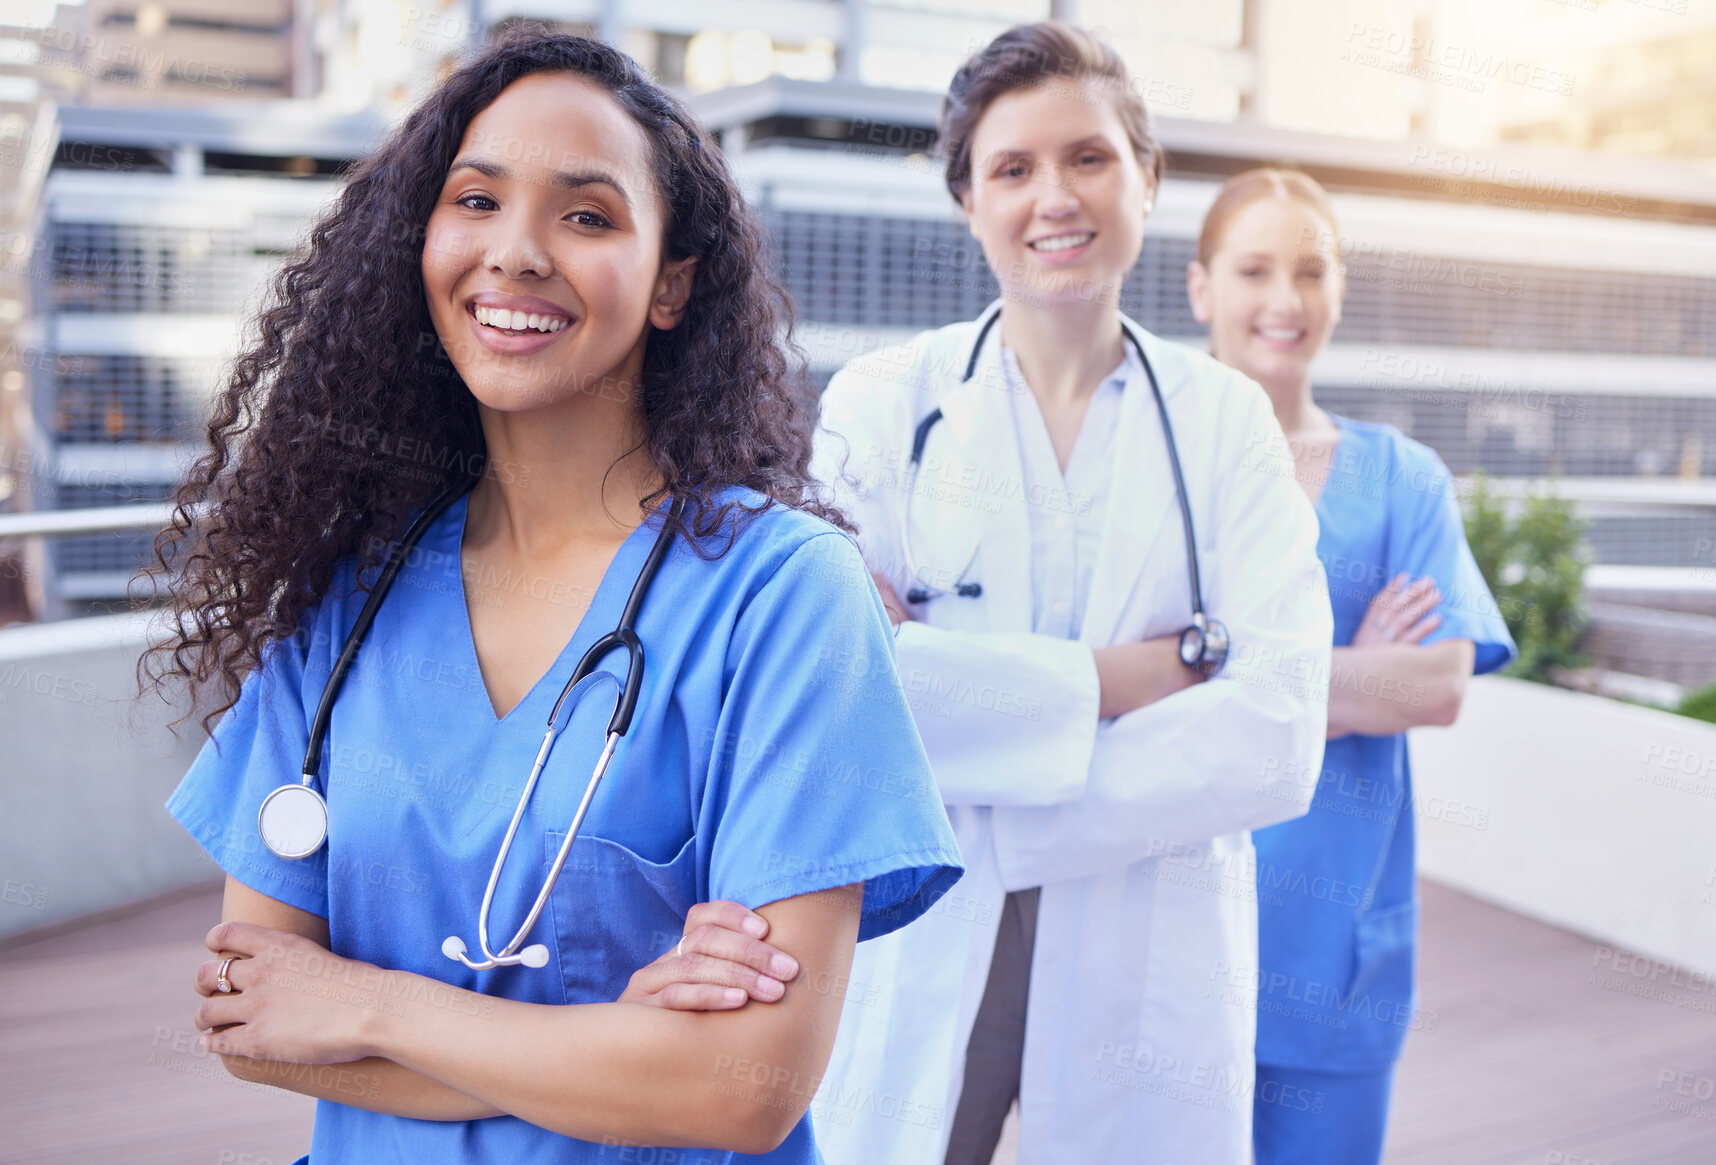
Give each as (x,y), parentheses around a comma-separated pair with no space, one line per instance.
(222,983)
(680,949)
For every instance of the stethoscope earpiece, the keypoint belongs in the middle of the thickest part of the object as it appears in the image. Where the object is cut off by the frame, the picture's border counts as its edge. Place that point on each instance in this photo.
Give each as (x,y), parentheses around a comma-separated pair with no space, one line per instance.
(965,590)
(534,955)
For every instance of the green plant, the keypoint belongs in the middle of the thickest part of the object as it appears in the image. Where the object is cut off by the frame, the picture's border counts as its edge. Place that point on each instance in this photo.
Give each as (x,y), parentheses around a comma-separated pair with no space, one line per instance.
(1700,704)
(1534,563)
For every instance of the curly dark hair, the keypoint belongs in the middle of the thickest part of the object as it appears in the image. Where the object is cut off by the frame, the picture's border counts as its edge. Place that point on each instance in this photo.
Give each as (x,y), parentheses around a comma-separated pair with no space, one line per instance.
(343,415)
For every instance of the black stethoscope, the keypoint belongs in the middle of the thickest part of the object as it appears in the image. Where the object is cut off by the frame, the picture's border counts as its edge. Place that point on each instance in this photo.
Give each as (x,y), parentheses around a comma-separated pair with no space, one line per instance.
(1203,644)
(293,819)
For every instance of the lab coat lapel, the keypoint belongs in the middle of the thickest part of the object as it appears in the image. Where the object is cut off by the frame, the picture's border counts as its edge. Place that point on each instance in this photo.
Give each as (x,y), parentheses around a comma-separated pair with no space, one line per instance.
(1140,503)
(983,455)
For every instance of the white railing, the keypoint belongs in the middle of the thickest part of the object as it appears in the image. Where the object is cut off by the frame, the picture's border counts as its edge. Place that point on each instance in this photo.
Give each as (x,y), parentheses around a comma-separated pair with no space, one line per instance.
(96,520)
(1594,496)
(1608,494)
(1622,497)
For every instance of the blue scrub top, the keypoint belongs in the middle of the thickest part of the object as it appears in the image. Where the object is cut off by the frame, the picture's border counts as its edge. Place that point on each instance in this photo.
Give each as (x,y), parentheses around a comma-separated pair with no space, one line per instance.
(772,754)
(1336,889)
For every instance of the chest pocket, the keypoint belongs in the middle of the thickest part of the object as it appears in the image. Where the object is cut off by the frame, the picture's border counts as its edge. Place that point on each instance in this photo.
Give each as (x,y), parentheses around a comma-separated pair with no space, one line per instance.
(614,911)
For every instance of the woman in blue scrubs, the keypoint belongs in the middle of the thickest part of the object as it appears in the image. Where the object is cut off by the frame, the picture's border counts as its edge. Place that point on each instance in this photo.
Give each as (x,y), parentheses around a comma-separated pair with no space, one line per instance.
(543,289)
(1336,889)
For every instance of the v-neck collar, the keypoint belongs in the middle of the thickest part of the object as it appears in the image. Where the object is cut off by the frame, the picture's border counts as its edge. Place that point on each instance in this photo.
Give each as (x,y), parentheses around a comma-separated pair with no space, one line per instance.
(1027,409)
(603,612)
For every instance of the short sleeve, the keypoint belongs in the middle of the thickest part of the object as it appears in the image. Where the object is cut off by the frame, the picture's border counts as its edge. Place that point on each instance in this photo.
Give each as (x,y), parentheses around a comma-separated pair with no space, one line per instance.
(257,747)
(1428,537)
(819,779)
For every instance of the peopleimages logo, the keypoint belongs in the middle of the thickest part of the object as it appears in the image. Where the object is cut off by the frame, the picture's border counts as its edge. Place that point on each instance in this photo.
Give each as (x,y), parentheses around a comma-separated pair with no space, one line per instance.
(1449,62)
(103,56)
(1460,167)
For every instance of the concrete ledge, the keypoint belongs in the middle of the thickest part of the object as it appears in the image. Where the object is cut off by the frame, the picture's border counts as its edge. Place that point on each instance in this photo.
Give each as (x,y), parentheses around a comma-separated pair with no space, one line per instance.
(1593,815)
(87,767)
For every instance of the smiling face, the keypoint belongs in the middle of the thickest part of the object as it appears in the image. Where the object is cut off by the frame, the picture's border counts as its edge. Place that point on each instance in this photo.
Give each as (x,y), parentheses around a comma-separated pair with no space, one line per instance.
(542,260)
(1057,197)
(1271,292)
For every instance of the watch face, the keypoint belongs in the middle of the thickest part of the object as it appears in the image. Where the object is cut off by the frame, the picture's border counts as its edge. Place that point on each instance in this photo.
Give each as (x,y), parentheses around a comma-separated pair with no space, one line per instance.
(1216,644)
(1191,645)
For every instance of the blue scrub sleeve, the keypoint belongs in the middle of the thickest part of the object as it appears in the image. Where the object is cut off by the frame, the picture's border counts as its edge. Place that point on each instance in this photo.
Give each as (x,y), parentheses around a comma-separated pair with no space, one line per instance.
(257,747)
(1428,537)
(818,779)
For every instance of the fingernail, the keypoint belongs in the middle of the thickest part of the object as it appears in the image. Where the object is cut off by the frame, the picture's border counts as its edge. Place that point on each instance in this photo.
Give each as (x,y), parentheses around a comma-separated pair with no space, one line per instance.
(734,995)
(784,966)
(755,926)
(772,988)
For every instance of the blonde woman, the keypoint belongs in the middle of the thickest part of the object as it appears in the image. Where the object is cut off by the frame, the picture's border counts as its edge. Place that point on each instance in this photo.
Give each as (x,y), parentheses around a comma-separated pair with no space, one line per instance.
(1338,904)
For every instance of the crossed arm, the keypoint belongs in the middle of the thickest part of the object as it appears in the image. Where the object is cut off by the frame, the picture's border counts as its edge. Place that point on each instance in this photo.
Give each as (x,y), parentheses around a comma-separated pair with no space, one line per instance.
(725,957)
(1128,675)
(1388,680)
(1385,682)
(621,1071)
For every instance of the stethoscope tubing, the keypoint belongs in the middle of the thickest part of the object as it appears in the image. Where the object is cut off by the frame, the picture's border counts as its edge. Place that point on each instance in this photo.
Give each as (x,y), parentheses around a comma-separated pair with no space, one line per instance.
(508,954)
(921,592)
(624,635)
(360,627)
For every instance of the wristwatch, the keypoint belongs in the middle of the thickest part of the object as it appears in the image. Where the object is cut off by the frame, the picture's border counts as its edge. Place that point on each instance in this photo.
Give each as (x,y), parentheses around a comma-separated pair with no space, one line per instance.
(1203,645)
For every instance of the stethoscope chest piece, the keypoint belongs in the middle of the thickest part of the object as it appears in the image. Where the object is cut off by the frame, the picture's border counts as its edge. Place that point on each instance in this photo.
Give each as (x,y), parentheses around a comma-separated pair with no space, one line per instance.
(293,821)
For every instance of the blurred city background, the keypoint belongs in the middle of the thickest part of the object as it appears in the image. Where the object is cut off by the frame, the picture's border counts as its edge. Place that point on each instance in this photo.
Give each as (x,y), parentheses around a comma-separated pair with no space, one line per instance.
(1527,193)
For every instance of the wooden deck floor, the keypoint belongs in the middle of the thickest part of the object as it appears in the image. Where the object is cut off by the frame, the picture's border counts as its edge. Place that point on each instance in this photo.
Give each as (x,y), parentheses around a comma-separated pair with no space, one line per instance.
(1545,1050)
(1550,1048)
(98,1056)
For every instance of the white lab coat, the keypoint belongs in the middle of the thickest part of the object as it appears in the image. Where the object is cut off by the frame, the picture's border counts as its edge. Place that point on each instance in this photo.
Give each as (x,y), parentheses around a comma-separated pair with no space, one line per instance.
(1142,1013)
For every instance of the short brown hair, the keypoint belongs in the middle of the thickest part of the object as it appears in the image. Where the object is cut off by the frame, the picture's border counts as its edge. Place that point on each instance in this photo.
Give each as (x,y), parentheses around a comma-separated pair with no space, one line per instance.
(1024,57)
